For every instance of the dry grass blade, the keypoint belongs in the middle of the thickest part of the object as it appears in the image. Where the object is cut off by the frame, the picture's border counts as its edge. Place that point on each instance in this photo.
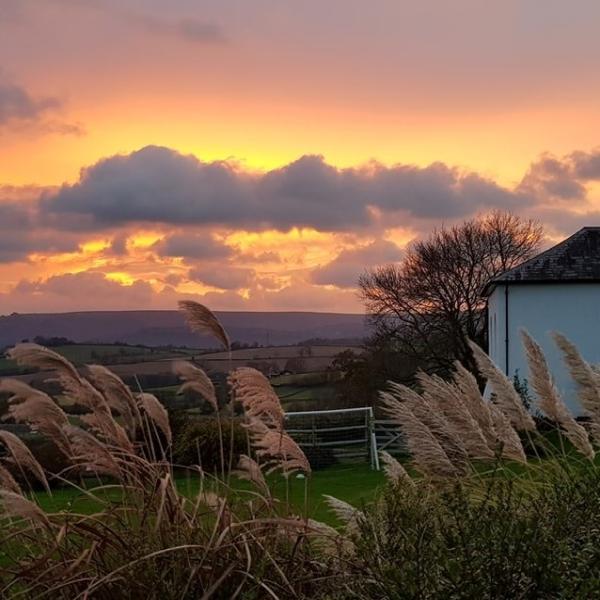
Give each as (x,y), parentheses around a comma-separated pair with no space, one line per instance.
(90,453)
(19,507)
(22,457)
(466,383)
(108,429)
(508,439)
(582,373)
(434,420)
(346,513)
(278,448)
(250,470)
(506,397)
(549,400)
(202,320)
(117,395)
(197,381)
(7,481)
(447,398)
(38,410)
(393,470)
(157,413)
(328,539)
(254,391)
(34,355)
(428,455)
(78,388)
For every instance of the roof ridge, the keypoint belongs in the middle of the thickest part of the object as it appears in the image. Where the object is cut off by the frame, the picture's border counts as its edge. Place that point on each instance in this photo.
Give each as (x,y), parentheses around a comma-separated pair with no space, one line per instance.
(576,258)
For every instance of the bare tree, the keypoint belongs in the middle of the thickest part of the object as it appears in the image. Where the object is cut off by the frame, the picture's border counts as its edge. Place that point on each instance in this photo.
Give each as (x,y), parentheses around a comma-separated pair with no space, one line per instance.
(433,301)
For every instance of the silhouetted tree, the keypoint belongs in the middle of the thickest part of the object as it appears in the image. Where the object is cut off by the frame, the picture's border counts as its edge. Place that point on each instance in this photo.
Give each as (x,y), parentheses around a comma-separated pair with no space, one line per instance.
(432,302)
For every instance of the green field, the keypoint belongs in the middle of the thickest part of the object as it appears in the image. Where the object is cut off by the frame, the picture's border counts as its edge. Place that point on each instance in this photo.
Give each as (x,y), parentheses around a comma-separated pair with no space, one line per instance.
(81,354)
(356,484)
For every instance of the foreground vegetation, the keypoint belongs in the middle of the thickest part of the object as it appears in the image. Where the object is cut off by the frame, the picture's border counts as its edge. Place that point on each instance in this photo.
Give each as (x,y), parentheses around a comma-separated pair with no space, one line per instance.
(496,511)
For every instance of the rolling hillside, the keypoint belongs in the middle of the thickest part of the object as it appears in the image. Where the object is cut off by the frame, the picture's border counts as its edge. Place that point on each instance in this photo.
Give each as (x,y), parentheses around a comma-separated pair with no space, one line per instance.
(160,328)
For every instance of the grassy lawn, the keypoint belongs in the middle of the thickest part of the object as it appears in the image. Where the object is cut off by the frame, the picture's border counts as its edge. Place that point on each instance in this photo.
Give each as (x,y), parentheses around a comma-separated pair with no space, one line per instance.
(355,484)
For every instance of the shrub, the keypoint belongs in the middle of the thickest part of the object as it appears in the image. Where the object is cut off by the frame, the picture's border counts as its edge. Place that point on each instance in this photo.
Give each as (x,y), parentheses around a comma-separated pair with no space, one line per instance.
(198,443)
(505,541)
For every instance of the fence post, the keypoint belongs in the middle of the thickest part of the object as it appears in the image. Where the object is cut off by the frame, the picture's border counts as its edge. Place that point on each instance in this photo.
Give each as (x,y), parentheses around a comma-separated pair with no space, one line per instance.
(374,451)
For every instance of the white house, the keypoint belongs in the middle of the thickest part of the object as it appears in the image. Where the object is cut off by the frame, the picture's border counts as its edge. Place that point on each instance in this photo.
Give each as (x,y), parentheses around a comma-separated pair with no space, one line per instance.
(558,290)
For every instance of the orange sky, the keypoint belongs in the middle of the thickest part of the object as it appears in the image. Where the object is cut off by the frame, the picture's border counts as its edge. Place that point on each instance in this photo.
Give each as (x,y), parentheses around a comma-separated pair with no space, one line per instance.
(422,113)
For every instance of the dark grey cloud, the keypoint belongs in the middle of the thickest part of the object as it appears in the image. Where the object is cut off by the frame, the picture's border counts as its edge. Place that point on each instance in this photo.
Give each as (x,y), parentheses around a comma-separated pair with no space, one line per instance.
(19,235)
(562,178)
(154,184)
(192,245)
(19,108)
(346,268)
(586,165)
(159,185)
(16,246)
(17,104)
(553,178)
(223,276)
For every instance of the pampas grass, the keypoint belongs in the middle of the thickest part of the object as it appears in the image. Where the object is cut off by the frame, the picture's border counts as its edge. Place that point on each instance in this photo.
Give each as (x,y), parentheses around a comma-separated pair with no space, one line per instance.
(479,409)
(7,481)
(586,380)
(17,506)
(253,390)
(152,540)
(203,320)
(196,380)
(435,422)
(447,399)
(38,410)
(151,406)
(549,400)
(506,397)
(21,456)
(428,455)
(393,470)
(346,513)
(278,448)
(250,470)
(34,355)
(118,396)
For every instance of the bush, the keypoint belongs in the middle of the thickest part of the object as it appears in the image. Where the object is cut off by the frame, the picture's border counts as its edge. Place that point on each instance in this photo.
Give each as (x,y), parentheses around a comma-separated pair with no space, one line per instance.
(506,541)
(198,443)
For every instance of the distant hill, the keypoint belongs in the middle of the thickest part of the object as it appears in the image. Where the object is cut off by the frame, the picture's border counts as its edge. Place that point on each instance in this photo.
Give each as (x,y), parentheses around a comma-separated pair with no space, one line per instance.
(161,328)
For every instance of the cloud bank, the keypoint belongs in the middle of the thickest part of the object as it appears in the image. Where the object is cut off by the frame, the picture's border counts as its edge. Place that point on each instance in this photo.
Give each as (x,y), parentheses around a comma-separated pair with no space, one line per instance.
(141,229)
(160,185)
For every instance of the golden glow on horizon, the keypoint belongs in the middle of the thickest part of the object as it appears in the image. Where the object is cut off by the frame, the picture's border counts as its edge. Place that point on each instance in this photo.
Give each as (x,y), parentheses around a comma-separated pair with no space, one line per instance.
(501,147)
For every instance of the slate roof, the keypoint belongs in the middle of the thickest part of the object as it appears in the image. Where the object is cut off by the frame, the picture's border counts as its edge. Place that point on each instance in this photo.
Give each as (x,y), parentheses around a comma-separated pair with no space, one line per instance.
(576,259)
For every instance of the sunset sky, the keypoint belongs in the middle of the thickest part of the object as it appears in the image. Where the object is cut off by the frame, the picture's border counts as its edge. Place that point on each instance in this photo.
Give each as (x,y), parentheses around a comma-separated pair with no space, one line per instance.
(259,154)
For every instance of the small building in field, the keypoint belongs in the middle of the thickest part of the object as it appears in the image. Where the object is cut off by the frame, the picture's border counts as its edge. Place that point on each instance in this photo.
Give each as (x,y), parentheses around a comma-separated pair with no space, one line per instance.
(557,290)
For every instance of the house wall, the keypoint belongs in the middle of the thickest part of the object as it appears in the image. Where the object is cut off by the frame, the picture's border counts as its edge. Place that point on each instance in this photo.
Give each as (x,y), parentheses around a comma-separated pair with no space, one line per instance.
(572,309)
